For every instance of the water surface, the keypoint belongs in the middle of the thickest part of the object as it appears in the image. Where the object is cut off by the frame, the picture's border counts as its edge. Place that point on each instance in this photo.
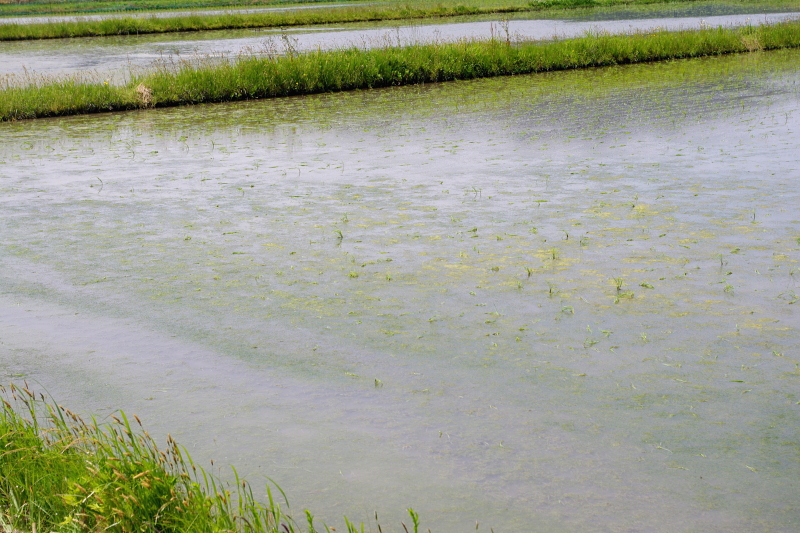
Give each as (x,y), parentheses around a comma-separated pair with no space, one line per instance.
(577,292)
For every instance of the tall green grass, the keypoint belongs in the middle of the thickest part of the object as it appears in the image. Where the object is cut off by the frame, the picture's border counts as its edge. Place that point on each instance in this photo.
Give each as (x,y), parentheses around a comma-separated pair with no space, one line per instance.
(61,473)
(317,72)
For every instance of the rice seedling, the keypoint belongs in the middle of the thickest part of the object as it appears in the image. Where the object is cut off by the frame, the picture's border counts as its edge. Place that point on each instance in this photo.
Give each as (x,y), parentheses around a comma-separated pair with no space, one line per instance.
(59,472)
(552,290)
(629,295)
(252,77)
(618,283)
(414,520)
(620,294)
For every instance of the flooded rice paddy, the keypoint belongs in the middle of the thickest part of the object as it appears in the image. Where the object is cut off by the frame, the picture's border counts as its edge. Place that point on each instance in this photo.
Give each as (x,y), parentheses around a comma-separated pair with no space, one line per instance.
(561,302)
(117,58)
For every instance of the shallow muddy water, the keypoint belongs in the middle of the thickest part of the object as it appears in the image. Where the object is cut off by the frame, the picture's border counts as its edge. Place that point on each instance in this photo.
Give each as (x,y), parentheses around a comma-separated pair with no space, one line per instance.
(561,302)
(116,58)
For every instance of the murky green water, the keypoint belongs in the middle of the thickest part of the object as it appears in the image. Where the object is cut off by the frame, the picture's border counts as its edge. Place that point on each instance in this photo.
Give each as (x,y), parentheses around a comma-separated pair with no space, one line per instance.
(578,292)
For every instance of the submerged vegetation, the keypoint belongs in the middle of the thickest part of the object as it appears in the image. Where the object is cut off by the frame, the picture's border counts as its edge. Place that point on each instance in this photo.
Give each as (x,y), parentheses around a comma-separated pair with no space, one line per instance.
(252,77)
(370,12)
(60,473)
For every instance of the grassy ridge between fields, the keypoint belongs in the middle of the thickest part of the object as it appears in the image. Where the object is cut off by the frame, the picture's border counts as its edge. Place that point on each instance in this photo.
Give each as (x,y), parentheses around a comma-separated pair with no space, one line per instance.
(343,70)
(284,19)
(60,473)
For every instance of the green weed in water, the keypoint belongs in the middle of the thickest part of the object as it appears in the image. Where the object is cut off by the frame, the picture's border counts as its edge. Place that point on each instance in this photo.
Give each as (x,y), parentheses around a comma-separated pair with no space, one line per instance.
(618,283)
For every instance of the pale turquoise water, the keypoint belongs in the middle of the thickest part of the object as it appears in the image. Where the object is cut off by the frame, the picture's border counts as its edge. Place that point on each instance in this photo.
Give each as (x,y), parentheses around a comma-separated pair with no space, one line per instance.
(186,265)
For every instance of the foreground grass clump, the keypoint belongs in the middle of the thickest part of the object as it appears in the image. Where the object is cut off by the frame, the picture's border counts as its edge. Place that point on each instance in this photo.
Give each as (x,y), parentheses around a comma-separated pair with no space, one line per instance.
(342,70)
(60,473)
